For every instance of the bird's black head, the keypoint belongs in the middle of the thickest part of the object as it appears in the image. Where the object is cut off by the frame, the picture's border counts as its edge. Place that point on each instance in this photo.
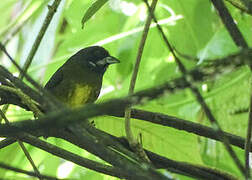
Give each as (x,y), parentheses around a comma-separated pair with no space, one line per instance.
(96,58)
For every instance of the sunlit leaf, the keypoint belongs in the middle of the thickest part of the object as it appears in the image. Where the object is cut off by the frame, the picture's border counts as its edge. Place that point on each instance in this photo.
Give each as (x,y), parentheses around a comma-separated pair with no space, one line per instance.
(92,10)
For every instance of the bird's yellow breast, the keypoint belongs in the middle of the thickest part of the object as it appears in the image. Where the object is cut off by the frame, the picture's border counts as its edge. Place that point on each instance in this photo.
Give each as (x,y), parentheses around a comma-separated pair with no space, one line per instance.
(79,95)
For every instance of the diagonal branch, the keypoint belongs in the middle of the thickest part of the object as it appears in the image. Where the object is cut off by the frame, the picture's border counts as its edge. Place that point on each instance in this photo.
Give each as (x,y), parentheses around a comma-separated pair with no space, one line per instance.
(199,98)
(51,11)
(229,23)
(28,156)
(239,40)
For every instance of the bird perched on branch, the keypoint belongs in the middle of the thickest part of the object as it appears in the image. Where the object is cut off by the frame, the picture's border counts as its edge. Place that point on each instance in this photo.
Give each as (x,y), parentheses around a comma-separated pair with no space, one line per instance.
(79,80)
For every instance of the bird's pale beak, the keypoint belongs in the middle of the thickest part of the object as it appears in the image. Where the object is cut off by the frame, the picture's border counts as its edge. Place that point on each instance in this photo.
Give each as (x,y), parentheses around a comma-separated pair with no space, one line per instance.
(107,60)
(111,60)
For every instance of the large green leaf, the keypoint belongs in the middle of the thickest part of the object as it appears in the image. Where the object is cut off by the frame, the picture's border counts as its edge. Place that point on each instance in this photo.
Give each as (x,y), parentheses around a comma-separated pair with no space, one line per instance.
(92,10)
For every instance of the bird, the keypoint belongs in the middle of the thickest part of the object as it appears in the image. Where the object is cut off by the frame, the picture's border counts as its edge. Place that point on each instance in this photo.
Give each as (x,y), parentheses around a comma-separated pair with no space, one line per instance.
(79,80)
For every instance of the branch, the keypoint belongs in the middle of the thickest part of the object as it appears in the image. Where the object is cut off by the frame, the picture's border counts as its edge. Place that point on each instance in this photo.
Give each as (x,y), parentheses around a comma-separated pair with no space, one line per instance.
(133,167)
(181,124)
(200,99)
(169,121)
(24,99)
(45,100)
(114,142)
(84,162)
(157,160)
(28,156)
(108,153)
(6,142)
(6,76)
(196,171)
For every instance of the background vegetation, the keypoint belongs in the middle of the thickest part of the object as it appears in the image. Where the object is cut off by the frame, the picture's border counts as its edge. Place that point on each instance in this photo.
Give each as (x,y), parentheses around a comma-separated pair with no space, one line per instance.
(193,27)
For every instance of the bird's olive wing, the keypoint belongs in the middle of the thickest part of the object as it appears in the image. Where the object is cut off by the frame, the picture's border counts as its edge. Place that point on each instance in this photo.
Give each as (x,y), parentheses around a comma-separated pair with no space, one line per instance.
(54,80)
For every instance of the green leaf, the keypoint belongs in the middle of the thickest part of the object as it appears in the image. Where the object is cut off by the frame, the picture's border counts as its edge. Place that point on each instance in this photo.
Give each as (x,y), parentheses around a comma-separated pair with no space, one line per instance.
(92,10)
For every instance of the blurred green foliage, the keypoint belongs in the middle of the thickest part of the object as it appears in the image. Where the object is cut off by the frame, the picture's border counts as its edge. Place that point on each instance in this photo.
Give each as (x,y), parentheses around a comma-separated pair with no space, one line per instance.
(193,28)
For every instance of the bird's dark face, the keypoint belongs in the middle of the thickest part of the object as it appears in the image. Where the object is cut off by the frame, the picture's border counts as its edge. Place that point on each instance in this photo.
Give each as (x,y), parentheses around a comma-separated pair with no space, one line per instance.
(96,58)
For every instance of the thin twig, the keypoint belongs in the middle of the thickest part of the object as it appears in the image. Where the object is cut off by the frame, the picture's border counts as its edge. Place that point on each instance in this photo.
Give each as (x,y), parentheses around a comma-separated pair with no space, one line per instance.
(15,169)
(132,141)
(28,156)
(51,11)
(199,98)
(6,142)
(248,138)
(4,110)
